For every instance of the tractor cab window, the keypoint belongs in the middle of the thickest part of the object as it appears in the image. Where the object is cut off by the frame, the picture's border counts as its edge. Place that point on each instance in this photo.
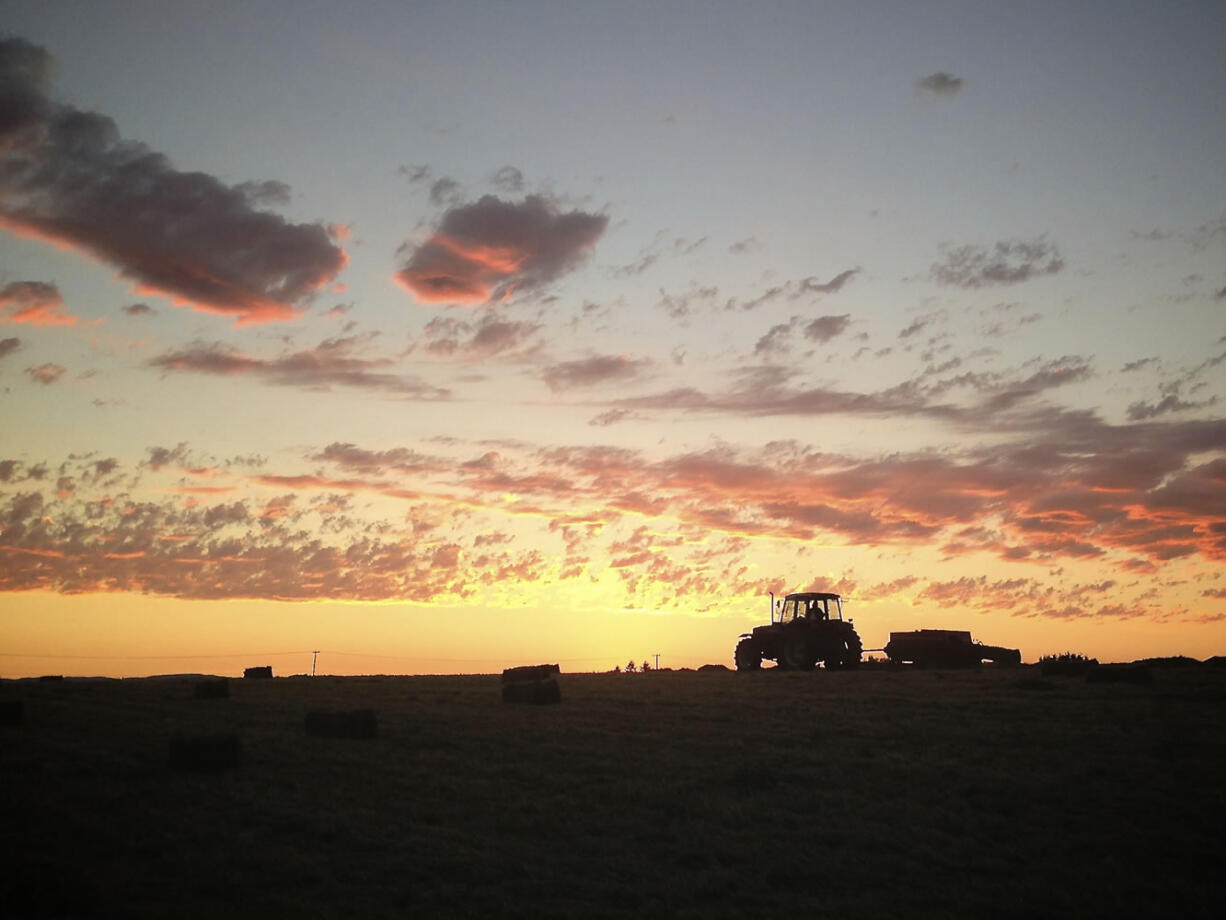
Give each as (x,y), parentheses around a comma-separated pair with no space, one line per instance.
(817,610)
(792,610)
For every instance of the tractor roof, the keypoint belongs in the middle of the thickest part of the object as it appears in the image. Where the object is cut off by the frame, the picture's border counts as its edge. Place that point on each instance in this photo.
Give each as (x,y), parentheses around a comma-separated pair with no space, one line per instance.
(813,596)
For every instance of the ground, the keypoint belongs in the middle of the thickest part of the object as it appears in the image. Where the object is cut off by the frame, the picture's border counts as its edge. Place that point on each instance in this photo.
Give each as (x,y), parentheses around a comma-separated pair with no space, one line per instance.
(851,794)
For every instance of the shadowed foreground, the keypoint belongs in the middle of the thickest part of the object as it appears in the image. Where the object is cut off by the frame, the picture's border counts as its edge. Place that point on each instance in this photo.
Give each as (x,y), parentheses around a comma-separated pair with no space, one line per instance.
(851,794)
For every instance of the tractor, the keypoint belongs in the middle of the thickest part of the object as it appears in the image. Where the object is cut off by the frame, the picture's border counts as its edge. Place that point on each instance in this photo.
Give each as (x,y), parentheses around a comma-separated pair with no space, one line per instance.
(804,629)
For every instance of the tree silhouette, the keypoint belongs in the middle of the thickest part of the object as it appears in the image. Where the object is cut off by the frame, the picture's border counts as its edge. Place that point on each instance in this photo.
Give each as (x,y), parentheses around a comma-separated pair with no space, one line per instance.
(630,667)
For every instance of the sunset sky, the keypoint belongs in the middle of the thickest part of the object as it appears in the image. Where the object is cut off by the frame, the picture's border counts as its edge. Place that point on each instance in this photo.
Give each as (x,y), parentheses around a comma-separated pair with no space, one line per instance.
(446,337)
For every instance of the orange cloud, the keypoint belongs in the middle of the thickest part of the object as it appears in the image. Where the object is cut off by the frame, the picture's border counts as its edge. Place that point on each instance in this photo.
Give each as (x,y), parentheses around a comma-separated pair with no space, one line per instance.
(482,251)
(34,303)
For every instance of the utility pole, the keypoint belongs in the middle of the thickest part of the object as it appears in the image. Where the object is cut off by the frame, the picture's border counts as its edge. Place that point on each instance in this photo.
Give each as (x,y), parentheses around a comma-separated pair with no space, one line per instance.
(314,655)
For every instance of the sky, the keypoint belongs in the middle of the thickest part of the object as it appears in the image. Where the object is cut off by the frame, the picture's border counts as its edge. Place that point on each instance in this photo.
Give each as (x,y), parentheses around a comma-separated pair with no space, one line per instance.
(448,337)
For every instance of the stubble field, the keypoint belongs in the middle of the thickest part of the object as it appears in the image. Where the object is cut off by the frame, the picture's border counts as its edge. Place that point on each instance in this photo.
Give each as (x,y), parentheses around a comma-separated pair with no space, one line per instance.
(846,794)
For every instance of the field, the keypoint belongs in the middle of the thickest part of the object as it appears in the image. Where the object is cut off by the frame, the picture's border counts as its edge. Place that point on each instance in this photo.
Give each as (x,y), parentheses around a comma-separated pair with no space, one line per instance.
(845,794)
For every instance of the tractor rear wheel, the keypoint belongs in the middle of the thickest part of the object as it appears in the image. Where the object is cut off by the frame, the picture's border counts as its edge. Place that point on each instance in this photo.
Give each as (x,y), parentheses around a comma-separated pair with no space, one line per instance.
(748,656)
(846,653)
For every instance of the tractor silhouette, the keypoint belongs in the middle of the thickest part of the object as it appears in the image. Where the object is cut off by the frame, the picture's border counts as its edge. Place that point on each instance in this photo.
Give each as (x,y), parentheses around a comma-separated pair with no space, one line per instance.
(804,629)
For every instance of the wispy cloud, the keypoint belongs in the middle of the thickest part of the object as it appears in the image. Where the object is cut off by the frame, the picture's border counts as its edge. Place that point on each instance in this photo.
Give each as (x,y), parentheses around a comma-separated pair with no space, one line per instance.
(940,84)
(334,362)
(1008,262)
(592,371)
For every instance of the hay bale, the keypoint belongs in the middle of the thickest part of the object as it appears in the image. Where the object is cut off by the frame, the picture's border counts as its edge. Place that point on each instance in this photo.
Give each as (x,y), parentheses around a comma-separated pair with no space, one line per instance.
(353,723)
(12,712)
(258,673)
(1120,674)
(530,672)
(205,753)
(537,684)
(212,688)
(537,692)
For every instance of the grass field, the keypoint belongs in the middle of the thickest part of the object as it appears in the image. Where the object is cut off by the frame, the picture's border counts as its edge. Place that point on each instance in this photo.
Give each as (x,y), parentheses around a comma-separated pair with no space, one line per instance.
(844,794)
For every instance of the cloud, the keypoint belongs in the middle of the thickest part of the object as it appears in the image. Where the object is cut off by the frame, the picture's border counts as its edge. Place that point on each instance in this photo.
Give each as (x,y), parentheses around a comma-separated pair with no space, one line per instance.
(1140,411)
(139,309)
(509,180)
(795,290)
(444,191)
(940,84)
(34,303)
(481,252)
(488,337)
(68,177)
(812,286)
(8,346)
(46,373)
(1008,262)
(825,328)
(592,371)
(331,363)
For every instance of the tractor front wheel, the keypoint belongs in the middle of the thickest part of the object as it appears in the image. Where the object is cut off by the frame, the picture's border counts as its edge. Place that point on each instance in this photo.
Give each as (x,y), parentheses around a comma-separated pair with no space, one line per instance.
(798,654)
(748,656)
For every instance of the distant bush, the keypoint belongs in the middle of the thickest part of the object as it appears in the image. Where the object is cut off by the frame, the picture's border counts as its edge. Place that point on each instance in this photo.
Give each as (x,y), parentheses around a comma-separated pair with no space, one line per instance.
(1066,664)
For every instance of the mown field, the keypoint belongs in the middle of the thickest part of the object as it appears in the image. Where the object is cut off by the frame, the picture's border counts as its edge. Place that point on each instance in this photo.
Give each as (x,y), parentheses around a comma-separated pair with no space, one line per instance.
(682,794)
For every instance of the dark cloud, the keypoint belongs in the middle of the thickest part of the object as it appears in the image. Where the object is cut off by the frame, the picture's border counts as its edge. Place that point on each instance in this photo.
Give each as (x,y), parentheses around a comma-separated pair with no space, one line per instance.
(68,177)
(1008,262)
(8,346)
(46,373)
(592,371)
(749,244)
(484,251)
(334,362)
(825,328)
(34,303)
(139,309)
(1137,365)
(940,84)
(509,180)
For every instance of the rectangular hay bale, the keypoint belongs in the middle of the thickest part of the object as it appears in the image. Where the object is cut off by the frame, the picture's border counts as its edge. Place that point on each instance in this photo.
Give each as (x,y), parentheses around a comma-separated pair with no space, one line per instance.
(258,673)
(531,672)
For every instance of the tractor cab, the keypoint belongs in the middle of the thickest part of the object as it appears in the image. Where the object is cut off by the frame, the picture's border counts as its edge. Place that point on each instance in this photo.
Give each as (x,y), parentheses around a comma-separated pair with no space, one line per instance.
(809,606)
